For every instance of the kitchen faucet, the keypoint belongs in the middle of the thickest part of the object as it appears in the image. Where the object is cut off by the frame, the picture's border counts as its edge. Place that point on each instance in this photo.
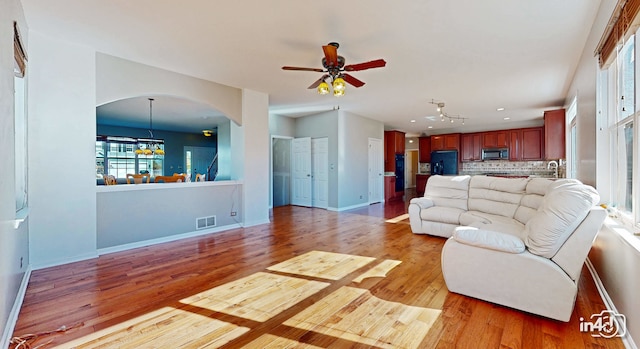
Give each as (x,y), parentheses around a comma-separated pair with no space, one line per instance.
(553,164)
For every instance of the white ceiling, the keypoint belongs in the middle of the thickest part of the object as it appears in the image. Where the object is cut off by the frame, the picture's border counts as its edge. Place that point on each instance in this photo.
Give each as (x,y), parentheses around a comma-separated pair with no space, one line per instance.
(475,56)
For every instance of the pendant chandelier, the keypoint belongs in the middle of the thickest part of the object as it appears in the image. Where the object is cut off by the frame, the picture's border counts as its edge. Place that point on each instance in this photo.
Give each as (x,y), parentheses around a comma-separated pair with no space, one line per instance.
(152,147)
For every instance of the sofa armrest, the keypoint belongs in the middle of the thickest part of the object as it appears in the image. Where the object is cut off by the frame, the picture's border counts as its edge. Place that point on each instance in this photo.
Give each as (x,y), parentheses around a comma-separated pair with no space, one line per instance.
(422,202)
(487,239)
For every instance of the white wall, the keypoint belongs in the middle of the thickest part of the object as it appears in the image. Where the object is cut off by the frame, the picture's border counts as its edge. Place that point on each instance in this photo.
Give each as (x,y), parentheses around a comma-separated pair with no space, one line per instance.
(353,158)
(171,209)
(282,126)
(13,242)
(254,155)
(62,131)
(616,260)
(119,78)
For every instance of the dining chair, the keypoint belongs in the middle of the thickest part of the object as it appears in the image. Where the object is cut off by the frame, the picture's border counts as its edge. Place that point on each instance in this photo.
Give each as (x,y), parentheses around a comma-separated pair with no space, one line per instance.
(170,179)
(138,178)
(109,180)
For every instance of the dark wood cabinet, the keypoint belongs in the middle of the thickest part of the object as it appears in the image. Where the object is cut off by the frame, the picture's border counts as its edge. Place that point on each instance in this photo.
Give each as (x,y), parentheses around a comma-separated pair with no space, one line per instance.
(390,189)
(526,144)
(393,144)
(445,142)
(495,139)
(471,147)
(554,134)
(424,149)
(421,183)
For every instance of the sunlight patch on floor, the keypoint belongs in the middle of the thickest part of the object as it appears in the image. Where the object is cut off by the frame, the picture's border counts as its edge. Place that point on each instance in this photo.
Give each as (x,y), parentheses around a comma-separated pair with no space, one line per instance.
(166,326)
(379,270)
(398,219)
(269,341)
(325,265)
(356,315)
(257,297)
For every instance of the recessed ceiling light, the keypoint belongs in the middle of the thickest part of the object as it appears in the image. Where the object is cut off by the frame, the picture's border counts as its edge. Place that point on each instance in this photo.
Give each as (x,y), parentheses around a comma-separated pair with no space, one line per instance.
(506,118)
(430,127)
(413,121)
(500,109)
(411,141)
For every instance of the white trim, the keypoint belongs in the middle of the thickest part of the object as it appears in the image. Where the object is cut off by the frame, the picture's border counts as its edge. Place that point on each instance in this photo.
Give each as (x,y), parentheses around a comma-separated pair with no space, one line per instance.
(348,207)
(254,223)
(15,310)
(155,186)
(145,243)
(627,340)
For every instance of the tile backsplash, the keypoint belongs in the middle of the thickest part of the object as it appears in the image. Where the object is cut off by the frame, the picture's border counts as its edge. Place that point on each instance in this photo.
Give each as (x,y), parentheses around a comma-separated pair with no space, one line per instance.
(515,168)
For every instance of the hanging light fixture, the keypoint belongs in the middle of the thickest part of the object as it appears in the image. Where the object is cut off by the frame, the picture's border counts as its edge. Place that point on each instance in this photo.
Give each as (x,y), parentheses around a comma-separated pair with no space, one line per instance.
(152,147)
(445,116)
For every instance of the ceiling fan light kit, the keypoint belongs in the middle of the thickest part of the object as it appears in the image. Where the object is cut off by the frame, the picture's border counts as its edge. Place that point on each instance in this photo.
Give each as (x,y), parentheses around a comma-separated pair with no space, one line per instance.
(335,69)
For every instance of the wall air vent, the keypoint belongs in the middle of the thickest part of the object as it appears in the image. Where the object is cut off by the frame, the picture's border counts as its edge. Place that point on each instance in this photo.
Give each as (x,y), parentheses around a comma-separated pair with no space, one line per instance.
(205,222)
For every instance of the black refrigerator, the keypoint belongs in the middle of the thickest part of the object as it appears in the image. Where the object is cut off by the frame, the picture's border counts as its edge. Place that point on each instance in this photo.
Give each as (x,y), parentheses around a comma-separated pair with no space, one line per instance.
(444,162)
(399,172)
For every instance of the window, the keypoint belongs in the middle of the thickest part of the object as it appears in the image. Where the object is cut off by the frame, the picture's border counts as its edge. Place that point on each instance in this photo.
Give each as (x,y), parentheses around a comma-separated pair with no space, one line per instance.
(572,158)
(116,156)
(20,121)
(624,146)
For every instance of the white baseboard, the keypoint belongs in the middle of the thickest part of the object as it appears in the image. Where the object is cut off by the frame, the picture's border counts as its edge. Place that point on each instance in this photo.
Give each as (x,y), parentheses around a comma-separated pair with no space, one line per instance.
(336,209)
(15,310)
(55,263)
(608,302)
(138,244)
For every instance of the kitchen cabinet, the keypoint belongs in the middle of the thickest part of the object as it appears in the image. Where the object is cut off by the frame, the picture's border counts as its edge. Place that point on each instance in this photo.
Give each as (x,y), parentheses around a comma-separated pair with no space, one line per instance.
(445,142)
(393,144)
(421,183)
(495,139)
(554,134)
(390,188)
(471,147)
(526,144)
(424,149)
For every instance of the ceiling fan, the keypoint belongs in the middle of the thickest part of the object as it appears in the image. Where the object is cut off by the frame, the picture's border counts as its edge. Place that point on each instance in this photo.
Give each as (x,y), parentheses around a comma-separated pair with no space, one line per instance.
(335,70)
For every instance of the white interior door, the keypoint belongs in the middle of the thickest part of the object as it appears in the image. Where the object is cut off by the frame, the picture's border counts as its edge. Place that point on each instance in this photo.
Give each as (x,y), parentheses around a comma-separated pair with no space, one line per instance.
(320,172)
(376,169)
(301,186)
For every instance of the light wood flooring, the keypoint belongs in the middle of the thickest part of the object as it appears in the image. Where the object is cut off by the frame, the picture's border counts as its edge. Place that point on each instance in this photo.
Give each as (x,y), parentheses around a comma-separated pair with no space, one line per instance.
(310,279)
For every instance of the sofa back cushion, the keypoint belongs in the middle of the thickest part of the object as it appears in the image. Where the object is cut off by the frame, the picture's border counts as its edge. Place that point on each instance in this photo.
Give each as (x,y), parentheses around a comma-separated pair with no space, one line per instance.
(565,206)
(532,198)
(448,191)
(496,195)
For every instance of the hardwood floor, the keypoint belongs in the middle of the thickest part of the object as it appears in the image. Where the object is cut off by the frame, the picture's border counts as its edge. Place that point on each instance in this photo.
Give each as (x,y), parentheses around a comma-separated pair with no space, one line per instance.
(178,294)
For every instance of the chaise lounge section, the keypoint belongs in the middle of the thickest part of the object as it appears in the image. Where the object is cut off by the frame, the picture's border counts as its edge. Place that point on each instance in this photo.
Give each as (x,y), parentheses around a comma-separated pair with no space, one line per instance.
(515,242)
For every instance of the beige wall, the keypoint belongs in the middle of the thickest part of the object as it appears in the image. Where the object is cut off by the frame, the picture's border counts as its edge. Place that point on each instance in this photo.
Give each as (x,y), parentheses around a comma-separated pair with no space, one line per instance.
(615,259)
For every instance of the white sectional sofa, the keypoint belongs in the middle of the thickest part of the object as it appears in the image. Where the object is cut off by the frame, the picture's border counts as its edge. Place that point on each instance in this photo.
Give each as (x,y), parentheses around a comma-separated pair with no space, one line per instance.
(516,242)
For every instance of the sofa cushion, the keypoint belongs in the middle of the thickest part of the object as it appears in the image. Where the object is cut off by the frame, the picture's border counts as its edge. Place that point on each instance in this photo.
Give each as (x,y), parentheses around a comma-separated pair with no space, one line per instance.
(489,239)
(531,200)
(496,195)
(566,204)
(448,191)
(441,214)
(488,221)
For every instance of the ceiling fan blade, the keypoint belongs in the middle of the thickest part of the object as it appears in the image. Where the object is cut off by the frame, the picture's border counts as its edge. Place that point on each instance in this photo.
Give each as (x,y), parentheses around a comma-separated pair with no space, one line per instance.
(319,70)
(353,81)
(378,63)
(315,84)
(330,55)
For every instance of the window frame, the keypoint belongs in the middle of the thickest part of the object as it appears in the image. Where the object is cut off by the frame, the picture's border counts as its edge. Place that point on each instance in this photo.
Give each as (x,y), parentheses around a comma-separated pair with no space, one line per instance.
(617,120)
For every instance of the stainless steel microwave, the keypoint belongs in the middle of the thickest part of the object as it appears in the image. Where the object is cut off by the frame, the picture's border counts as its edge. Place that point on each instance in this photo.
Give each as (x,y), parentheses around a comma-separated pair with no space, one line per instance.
(495,154)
